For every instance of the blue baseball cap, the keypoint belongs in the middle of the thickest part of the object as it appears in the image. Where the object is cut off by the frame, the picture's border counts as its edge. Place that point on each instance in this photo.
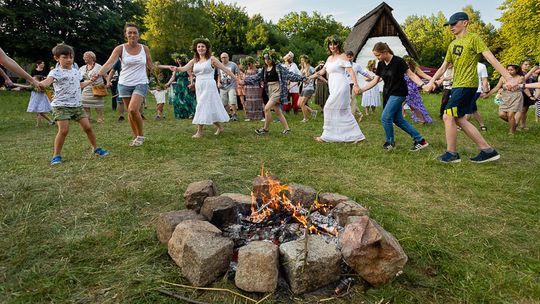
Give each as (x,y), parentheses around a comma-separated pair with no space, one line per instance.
(457,17)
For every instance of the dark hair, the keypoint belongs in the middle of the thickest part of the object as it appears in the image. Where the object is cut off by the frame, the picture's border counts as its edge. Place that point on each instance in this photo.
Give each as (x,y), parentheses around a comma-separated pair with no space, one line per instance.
(333,39)
(130,24)
(516,67)
(382,47)
(183,58)
(39,61)
(204,41)
(349,53)
(274,56)
(62,49)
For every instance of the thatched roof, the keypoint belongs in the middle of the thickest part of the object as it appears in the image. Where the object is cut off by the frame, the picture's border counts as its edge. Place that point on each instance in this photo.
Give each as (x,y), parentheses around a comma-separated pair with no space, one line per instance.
(378,22)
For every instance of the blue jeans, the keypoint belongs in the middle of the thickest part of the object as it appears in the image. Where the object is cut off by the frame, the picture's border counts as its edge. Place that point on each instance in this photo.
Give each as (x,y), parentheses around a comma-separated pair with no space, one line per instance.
(392,115)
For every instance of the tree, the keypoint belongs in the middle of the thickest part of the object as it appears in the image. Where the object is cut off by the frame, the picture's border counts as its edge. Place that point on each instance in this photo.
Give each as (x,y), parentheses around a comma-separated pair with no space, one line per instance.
(92,25)
(173,24)
(518,35)
(307,33)
(229,23)
(263,34)
(431,38)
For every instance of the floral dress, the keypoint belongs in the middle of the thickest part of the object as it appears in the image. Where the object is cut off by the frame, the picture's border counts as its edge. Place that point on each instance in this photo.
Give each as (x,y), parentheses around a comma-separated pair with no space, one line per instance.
(414,101)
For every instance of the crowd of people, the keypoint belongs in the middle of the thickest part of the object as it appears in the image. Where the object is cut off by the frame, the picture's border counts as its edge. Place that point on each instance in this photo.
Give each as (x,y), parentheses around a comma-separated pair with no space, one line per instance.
(207,89)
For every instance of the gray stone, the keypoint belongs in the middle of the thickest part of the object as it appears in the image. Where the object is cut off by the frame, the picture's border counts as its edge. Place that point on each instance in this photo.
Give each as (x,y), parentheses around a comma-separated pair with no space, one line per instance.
(167,222)
(302,194)
(346,209)
(371,251)
(243,202)
(220,210)
(206,257)
(197,192)
(322,266)
(262,184)
(184,231)
(332,199)
(257,267)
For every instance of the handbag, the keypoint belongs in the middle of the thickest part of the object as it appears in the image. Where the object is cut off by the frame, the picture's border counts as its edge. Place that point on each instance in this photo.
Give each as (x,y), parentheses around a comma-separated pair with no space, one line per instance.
(99,90)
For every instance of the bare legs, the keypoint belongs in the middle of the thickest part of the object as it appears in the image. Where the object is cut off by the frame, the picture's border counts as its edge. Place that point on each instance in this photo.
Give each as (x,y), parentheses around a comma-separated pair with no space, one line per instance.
(509,117)
(134,116)
(268,115)
(450,130)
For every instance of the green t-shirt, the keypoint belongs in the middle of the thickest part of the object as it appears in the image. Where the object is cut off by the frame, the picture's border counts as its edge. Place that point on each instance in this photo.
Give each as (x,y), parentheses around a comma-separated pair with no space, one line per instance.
(464,53)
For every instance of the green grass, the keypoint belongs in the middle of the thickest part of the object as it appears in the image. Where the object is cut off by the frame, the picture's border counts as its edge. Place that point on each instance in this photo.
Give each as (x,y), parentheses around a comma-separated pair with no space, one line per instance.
(84,231)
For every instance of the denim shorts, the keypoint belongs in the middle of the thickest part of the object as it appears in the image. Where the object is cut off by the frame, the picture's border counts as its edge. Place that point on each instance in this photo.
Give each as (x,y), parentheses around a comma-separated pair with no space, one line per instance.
(127,91)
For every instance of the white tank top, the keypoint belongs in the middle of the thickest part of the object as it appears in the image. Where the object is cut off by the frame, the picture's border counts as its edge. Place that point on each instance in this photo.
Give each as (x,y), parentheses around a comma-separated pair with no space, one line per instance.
(133,68)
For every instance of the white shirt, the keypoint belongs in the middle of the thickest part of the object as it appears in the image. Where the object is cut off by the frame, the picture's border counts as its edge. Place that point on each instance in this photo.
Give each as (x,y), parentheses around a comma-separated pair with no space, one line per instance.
(293,68)
(357,69)
(67,87)
(133,68)
(482,73)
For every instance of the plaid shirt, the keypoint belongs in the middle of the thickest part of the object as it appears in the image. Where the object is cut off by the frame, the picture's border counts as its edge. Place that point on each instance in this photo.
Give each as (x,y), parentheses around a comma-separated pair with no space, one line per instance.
(283,74)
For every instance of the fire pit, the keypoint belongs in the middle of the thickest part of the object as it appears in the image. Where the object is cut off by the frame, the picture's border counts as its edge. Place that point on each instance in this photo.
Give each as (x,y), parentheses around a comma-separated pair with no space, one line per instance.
(279,230)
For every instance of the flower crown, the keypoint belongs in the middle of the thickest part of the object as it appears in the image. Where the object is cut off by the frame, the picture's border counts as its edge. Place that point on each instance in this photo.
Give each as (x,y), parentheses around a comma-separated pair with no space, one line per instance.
(201,40)
(334,39)
(270,53)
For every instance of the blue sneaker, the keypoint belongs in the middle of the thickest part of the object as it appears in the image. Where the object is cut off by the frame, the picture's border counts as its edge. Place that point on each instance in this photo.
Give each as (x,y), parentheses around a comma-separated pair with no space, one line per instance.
(448,158)
(56,160)
(484,157)
(101,152)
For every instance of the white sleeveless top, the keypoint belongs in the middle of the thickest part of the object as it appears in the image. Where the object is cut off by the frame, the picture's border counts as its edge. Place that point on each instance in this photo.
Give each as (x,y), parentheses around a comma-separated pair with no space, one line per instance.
(133,68)
(203,70)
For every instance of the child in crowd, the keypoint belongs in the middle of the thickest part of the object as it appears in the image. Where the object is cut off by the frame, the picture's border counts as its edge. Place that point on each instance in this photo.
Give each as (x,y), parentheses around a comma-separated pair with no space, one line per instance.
(371,98)
(39,104)
(66,103)
(512,100)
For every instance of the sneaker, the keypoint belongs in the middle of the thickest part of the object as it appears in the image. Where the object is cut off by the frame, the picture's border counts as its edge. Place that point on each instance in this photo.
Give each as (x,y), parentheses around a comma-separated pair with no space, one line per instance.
(285,132)
(419,145)
(304,120)
(448,157)
(261,131)
(100,152)
(247,119)
(484,157)
(121,118)
(56,160)
(314,114)
(388,146)
(138,141)
(263,119)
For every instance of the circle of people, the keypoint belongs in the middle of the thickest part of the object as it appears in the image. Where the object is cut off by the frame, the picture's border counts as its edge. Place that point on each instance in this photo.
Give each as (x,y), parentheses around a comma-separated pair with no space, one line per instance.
(197,94)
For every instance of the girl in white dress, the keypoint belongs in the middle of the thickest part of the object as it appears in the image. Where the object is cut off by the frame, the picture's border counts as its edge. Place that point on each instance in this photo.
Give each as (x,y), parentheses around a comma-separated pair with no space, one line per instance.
(372,97)
(209,109)
(339,122)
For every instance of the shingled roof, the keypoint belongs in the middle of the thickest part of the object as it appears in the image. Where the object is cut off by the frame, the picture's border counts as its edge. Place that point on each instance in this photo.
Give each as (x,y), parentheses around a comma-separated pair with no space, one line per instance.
(378,22)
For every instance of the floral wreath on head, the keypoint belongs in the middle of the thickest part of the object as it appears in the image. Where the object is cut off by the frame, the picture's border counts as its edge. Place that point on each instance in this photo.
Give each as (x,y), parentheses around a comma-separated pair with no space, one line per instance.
(183,57)
(203,40)
(306,58)
(271,53)
(334,39)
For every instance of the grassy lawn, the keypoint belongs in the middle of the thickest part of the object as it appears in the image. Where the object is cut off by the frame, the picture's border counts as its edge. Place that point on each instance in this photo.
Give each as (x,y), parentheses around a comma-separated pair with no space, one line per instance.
(84,231)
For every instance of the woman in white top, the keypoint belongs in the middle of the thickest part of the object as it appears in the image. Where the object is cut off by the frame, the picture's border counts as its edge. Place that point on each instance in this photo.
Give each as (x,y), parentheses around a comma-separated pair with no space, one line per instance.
(89,101)
(209,108)
(339,122)
(133,80)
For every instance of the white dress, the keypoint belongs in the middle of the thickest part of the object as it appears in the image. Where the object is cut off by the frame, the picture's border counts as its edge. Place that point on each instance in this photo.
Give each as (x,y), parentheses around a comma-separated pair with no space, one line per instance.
(372,97)
(209,107)
(339,122)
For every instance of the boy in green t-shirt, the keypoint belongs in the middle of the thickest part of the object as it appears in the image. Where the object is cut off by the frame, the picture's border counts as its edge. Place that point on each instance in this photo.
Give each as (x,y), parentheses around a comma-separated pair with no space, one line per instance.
(463,54)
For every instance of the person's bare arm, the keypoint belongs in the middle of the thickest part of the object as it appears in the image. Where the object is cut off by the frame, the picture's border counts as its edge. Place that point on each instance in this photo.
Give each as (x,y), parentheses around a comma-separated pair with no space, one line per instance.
(371,84)
(495,89)
(511,83)
(13,66)
(222,67)
(8,81)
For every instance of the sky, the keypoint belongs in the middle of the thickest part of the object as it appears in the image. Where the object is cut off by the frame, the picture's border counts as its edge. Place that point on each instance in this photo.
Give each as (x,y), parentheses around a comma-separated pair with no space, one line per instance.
(349,11)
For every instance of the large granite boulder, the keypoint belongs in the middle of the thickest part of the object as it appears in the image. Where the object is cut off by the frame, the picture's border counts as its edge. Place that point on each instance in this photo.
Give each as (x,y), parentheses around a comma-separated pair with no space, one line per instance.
(258,267)
(197,192)
(186,230)
(343,210)
(168,221)
(371,251)
(332,199)
(302,194)
(242,201)
(321,267)
(220,210)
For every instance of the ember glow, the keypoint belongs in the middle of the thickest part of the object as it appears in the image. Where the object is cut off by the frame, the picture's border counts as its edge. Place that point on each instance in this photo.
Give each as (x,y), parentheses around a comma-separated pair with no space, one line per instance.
(274,199)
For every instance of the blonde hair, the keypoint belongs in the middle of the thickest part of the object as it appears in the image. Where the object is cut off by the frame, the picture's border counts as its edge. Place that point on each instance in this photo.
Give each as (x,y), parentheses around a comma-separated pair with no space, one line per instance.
(91,54)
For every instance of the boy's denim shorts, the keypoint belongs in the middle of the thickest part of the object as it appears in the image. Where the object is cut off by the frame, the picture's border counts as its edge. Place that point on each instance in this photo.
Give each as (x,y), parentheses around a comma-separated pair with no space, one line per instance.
(127,91)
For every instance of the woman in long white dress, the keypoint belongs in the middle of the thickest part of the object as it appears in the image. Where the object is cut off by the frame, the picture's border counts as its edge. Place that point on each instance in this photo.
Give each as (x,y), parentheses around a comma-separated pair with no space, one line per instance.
(209,108)
(339,122)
